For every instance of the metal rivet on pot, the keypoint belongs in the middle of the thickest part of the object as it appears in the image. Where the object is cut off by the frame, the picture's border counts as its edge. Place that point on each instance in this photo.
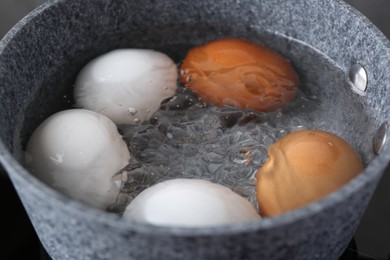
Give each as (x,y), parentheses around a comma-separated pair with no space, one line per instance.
(380,138)
(358,77)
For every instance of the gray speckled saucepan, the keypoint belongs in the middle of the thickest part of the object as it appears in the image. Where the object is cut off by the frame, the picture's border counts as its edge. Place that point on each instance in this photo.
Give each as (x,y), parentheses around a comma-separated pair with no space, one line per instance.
(40,58)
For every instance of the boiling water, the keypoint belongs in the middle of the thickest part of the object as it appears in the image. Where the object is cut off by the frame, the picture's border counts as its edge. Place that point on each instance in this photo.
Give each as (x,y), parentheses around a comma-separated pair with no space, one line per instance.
(188,138)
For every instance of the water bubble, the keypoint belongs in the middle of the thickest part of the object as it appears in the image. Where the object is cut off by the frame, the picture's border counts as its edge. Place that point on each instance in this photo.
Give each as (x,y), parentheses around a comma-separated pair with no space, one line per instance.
(297,128)
(137,120)
(132,111)
(223,145)
(165,88)
(304,98)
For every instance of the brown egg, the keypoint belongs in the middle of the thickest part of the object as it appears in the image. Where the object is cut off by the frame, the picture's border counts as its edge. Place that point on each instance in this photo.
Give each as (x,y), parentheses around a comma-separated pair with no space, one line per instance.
(239,73)
(303,167)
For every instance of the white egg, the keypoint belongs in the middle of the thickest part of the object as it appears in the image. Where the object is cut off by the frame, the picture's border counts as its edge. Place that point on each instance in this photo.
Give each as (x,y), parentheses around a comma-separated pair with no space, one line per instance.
(190,203)
(78,151)
(126,85)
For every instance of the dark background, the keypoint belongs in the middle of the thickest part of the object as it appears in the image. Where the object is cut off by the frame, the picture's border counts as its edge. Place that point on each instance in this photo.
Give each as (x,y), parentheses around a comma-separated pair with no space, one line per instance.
(18,239)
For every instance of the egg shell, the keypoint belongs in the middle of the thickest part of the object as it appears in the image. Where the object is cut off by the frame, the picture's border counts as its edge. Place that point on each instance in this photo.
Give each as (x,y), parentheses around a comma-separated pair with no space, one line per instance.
(303,167)
(239,73)
(78,151)
(190,203)
(126,85)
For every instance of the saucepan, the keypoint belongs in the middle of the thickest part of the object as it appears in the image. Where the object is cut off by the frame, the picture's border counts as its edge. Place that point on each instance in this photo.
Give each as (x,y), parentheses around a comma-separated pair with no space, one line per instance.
(342,60)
